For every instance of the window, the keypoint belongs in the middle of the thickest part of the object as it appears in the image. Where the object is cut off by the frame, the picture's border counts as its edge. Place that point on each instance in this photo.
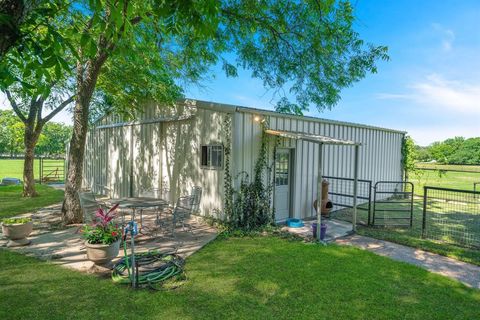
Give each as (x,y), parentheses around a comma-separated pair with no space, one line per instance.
(281,169)
(212,157)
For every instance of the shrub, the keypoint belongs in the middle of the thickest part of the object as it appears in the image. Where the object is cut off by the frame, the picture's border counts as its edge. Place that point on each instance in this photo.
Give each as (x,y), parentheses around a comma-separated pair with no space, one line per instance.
(8,221)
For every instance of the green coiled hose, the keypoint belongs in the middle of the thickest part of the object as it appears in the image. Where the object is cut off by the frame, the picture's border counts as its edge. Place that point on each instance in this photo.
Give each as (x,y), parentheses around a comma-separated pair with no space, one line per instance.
(155,268)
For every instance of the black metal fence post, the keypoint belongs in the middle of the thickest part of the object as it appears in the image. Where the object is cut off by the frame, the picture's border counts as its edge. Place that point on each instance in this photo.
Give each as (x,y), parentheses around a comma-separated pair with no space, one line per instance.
(411,205)
(374,202)
(424,219)
(369,201)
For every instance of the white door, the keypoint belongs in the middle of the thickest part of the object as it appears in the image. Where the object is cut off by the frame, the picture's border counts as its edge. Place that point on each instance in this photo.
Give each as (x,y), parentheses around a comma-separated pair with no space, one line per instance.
(282,185)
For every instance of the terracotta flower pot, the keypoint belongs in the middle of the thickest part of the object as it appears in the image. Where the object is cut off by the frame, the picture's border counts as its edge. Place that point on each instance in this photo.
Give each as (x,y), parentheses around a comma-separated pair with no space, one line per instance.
(102,254)
(17,233)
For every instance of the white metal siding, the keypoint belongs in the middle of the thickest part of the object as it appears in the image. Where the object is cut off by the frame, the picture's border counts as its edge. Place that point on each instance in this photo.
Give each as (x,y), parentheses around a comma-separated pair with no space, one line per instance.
(167,154)
(380,153)
(160,154)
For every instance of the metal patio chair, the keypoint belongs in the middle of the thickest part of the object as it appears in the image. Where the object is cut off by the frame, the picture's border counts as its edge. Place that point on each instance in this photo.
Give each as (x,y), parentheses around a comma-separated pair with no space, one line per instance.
(197,197)
(89,205)
(181,213)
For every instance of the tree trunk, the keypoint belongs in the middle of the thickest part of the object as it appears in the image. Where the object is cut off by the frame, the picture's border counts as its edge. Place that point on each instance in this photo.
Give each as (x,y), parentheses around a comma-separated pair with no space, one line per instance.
(71,210)
(28,177)
(30,141)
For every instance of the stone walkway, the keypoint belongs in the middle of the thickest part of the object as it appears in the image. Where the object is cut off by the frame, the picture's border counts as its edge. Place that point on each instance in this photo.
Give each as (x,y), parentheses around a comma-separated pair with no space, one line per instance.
(464,272)
(64,246)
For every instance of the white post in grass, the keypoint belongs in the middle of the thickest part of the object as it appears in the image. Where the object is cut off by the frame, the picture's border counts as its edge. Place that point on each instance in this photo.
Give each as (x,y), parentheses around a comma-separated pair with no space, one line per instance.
(355,189)
(319,191)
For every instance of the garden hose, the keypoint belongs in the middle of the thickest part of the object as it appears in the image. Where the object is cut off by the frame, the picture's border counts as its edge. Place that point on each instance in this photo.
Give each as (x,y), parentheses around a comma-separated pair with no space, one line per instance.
(154,268)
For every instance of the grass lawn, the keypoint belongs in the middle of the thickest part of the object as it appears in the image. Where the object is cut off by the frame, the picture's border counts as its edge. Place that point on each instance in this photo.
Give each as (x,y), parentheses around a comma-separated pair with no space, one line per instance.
(244,278)
(12,202)
(13,168)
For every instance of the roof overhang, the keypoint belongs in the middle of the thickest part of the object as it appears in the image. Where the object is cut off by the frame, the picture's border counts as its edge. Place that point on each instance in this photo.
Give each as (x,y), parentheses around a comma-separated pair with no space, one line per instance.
(312,138)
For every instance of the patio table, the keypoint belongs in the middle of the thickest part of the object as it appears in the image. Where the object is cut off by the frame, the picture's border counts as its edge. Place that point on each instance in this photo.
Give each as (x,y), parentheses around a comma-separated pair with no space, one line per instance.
(137,203)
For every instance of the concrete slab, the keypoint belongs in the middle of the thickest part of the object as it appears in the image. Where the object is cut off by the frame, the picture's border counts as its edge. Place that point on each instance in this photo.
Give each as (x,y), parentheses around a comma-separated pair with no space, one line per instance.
(66,247)
(464,272)
(335,229)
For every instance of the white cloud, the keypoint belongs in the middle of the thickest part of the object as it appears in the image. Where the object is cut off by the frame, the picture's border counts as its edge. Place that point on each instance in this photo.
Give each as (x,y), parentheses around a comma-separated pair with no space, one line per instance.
(441,94)
(447,36)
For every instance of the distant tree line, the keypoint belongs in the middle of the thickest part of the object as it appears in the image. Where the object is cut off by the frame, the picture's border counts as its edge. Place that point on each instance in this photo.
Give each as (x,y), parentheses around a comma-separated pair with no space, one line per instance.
(52,141)
(456,150)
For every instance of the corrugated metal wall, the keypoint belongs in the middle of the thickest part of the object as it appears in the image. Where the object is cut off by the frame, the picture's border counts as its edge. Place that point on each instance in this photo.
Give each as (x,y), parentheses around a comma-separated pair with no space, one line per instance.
(380,154)
(167,153)
(163,154)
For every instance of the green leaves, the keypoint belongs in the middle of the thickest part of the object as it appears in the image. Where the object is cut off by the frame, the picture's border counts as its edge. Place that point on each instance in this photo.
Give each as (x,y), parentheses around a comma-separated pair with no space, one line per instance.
(304,51)
(41,57)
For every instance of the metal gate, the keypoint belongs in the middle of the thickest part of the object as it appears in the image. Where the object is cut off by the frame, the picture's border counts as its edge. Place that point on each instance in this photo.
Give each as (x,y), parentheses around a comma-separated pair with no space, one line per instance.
(341,194)
(393,204)
(52,170)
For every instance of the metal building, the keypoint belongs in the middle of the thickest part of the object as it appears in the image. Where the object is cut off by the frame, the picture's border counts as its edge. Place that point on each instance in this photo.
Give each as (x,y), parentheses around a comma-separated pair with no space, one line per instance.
(181,146)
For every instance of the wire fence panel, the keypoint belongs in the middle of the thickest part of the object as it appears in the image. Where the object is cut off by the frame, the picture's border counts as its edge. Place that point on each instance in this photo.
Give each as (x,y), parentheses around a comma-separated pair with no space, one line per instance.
(340,192)
(451,216)
(393,204)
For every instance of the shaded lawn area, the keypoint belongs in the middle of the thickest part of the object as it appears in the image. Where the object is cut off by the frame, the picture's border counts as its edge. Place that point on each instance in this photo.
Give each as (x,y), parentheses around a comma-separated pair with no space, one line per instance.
(413,236)
(12,202)
(244,278)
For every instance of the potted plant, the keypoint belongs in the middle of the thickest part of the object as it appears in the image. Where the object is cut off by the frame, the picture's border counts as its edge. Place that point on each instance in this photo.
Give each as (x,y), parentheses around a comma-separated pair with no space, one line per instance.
(103,238)
(17,230)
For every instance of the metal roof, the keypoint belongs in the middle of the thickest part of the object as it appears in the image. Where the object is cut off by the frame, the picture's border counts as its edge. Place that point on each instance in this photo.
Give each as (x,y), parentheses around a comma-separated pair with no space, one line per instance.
(229,108)
(311,137)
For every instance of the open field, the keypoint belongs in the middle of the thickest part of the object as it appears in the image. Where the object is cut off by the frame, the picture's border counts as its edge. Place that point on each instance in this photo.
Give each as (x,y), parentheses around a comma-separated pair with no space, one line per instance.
(446,179)
(13,168)
(436,166)
(12,202)
(244,278)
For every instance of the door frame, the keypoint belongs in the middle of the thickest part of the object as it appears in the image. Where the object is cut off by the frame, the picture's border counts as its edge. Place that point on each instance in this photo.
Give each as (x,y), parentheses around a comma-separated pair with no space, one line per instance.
(291,183)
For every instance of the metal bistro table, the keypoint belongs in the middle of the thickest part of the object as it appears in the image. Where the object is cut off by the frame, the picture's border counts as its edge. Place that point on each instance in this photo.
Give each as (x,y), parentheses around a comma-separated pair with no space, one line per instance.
(138,203)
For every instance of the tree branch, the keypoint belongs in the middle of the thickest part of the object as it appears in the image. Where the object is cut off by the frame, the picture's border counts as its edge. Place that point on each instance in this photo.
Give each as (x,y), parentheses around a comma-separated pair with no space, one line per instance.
(15,107)
(58,109)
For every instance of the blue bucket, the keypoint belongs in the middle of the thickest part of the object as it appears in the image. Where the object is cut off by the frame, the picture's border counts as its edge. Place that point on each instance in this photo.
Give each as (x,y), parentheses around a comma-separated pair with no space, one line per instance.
(295,223)
(323,230)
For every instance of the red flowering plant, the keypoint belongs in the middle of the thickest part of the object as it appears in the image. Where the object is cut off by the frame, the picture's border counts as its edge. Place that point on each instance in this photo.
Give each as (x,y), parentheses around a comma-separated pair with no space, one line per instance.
(104,231)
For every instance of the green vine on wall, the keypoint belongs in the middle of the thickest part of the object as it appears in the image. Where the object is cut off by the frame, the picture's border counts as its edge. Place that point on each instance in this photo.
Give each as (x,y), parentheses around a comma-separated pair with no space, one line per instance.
(250,206)
(228,183)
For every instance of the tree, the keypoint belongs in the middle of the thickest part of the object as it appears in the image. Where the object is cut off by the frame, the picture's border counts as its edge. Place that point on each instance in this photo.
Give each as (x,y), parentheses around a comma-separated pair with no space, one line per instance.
(127,51)
(35,73)
(408,156)
(30,112)
(11,133)
(53,140)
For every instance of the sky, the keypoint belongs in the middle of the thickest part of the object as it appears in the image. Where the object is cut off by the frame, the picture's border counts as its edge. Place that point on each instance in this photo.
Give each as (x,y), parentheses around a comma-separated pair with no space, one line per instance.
(430,87)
